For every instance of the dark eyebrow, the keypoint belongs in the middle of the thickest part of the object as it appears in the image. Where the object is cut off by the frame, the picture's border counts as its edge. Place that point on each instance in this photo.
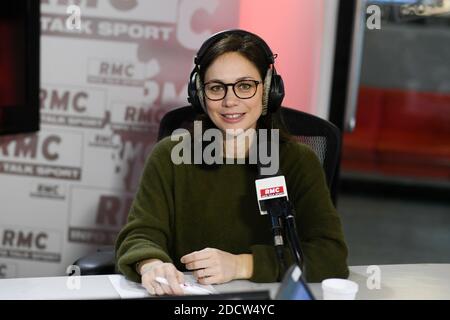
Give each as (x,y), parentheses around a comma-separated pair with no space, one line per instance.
(245,78)
(238,79)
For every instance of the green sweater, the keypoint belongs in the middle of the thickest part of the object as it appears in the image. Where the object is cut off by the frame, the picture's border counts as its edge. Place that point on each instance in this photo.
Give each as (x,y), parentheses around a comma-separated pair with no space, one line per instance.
(183,208)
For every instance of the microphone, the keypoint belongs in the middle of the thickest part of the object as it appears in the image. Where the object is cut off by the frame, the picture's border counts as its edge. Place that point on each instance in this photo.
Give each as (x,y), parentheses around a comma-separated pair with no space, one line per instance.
(273,200)
(269,188)
(269,191)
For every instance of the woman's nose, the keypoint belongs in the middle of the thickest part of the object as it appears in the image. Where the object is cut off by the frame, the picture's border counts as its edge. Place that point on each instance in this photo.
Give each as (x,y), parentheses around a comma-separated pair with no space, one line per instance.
(230,98)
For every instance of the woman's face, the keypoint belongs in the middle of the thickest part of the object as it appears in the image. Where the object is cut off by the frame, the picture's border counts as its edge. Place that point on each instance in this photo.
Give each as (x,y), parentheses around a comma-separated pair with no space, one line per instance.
(232,112)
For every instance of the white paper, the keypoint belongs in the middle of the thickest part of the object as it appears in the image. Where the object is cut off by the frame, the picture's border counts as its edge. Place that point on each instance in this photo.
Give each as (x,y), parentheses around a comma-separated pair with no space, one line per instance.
(127,289)
(131,290)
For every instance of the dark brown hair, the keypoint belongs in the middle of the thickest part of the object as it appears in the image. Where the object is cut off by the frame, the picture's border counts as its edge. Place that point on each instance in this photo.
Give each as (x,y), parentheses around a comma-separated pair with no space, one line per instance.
(249,48)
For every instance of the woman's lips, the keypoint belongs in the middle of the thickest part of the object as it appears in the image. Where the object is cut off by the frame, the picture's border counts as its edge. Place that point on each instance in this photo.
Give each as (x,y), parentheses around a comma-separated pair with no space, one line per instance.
(232,117)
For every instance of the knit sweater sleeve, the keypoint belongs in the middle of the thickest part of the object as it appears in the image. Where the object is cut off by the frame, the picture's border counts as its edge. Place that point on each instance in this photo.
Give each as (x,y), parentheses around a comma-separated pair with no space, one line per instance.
(147,234)
(318,224)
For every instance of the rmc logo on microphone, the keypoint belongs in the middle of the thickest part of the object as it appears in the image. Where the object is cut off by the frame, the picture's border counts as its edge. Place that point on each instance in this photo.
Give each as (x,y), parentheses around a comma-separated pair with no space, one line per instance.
(270,192)
(269,188)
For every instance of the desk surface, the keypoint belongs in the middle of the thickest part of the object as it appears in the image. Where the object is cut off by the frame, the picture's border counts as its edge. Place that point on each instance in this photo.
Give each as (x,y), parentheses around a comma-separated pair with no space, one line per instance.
(407,281)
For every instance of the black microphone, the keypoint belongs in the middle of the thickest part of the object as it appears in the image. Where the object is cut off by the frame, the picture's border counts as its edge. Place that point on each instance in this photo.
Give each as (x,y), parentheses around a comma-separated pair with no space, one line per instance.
(269,191)
(273,199)
(268,188)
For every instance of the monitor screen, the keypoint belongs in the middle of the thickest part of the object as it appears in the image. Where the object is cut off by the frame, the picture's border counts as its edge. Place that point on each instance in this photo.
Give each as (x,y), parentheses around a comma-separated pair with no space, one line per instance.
(19,66)
(293,286)
(12,71)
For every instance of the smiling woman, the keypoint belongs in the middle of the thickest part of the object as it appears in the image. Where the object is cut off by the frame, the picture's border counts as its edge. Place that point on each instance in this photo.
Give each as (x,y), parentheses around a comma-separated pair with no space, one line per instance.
(226,108)
(205,218)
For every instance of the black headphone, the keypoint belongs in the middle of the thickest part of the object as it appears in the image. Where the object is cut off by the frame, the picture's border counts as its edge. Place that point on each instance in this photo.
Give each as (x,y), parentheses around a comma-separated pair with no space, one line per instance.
(273,83)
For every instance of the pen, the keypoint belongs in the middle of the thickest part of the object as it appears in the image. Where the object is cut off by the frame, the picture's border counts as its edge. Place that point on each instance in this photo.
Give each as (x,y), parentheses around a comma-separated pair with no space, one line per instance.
(162,280)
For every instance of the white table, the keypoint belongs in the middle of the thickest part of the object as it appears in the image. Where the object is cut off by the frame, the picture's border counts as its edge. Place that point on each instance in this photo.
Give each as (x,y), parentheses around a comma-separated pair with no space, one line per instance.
(407,281)
(398,282)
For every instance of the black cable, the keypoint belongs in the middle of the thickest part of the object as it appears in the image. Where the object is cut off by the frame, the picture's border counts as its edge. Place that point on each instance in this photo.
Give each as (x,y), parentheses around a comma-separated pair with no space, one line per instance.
(289,216)
(286,212)
(273,209)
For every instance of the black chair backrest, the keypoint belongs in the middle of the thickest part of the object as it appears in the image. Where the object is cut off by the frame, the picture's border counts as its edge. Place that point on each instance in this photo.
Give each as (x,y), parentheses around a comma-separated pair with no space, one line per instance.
(320,135)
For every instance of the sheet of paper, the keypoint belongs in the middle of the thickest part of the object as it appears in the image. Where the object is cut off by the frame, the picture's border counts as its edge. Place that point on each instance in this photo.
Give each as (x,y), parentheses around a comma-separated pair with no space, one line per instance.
(131,290)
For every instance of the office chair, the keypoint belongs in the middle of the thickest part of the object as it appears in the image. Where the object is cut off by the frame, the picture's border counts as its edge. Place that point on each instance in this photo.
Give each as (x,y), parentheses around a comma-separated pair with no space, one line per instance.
(320,135)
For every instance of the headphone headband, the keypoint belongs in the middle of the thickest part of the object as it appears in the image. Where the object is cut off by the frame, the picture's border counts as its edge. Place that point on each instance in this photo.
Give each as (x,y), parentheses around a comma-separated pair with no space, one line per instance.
(270,57)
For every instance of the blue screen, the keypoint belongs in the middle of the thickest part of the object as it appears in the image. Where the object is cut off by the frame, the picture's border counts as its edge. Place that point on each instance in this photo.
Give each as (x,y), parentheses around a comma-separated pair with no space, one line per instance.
(294,290)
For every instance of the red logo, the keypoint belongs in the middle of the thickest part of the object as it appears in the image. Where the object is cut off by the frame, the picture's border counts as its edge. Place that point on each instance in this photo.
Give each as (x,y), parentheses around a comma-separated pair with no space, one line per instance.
(269,192)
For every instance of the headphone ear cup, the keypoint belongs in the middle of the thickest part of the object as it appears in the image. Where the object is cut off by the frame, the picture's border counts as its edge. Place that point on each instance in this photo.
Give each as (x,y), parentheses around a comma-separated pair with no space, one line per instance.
(276,95)
(200,96)
(193,93)
(266,91)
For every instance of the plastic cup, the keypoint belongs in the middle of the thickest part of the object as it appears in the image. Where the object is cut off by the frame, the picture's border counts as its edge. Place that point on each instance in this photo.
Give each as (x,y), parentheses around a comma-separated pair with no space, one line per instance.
(339,289)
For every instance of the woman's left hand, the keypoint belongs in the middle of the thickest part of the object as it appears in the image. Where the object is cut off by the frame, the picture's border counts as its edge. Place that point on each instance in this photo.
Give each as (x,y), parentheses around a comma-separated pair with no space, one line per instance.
(214,266)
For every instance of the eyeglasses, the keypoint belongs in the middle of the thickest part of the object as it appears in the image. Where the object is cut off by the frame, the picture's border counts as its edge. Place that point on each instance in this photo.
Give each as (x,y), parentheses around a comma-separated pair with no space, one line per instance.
(243,89)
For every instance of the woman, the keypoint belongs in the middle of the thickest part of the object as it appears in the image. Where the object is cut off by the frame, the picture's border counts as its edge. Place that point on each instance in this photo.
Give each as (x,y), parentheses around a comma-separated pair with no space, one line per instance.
(206,219)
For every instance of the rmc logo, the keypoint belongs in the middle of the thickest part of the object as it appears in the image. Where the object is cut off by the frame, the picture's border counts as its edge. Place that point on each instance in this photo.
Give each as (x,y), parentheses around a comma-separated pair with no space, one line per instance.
(268,192)
(29,146)
(116,69)
(63,100)
(30,244)
(23,239)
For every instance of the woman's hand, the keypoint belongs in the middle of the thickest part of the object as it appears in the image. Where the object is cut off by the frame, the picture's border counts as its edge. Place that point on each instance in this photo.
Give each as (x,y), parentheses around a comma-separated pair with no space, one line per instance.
(156,268)
(214,266)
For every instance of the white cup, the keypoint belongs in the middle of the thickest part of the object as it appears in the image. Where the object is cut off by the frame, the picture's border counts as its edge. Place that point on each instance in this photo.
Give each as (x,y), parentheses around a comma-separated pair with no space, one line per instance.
(339,289)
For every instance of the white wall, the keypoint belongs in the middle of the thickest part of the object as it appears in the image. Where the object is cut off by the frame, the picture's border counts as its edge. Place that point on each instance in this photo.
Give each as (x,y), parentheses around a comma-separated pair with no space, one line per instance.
(67,189)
